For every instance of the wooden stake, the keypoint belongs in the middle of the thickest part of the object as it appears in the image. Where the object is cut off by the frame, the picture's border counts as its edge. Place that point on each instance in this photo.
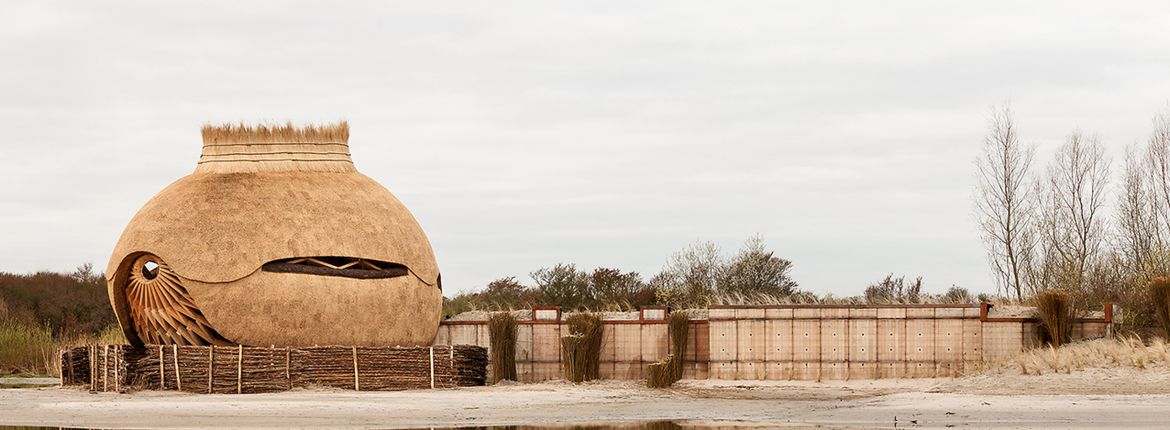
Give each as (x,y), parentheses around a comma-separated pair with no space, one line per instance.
(162,369)
(72,377)
(105,368)
(356,385)
(287,365)
(117,362)
(240,371)
(178,376)
(432,367)
(210,368)
(92,367)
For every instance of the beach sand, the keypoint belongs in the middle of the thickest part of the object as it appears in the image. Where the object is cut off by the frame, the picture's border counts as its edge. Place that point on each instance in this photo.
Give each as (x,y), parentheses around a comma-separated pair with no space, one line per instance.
(1113,398)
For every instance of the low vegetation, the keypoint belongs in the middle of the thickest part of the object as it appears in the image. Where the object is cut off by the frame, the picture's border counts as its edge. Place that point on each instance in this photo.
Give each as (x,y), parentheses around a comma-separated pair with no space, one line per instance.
(695,277)
(44,312)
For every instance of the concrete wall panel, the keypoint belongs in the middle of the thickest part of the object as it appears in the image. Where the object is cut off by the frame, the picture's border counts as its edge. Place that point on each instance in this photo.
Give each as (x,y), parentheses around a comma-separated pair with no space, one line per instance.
(751,340)
(779,343)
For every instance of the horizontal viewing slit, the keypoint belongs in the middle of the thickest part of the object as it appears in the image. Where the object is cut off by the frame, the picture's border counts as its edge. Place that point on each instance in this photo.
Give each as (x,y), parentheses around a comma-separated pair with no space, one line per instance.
(346,267)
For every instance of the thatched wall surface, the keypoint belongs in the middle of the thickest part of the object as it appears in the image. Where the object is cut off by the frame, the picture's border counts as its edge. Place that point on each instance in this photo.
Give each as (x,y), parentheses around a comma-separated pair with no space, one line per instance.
(290,309)
(222,227)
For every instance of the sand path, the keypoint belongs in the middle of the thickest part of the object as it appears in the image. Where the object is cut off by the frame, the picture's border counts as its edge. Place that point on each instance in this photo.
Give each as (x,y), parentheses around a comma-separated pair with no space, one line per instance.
(963,403)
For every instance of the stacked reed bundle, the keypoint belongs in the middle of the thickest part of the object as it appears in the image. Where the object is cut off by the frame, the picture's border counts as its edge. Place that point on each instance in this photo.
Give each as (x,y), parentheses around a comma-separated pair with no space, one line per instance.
(581,349)
(502,328)
(1160,301)
(212,369)
(1056,315)
(669,370)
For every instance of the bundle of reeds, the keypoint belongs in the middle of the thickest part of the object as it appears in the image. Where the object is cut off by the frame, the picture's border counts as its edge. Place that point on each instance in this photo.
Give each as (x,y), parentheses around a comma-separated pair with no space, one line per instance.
(1160,301)
(502,330)
(679,325)
(669,370)
(1056,315)
(661,373)
(212,369)
(581,349)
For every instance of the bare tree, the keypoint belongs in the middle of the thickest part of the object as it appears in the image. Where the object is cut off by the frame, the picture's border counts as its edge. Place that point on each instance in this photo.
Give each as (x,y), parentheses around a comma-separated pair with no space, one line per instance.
(1073,227)
(757,271)
(1138,235)
(1004,202)
(691,276)
(1157,177)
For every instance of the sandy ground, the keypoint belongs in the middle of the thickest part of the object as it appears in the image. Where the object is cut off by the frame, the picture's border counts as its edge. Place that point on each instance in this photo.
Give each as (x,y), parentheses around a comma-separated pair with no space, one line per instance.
(1096,399)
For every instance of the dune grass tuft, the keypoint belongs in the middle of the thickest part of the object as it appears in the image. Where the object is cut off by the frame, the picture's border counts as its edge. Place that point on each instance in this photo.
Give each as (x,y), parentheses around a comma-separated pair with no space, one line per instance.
(1110,353)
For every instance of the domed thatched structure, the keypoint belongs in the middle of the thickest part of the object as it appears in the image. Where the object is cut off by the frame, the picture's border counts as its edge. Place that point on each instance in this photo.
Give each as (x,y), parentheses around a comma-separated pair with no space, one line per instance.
(275,239)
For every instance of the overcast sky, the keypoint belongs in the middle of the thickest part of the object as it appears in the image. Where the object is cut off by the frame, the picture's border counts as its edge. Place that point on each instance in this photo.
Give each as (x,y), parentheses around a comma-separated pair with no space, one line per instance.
(523,134)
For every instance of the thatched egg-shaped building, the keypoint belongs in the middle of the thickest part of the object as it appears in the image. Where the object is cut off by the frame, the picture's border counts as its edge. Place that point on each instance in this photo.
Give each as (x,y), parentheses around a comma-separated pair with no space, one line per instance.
(275,239)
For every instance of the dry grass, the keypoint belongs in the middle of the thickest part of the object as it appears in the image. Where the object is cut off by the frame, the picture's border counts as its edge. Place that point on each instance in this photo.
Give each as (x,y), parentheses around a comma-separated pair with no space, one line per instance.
(27,349)
(31,349)
(337,132)
(502,328)
(1056,314)
(1128,352)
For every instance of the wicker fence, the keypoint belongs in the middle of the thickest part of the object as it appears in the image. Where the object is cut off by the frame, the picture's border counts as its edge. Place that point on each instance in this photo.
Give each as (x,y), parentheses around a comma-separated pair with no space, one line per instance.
(208,369)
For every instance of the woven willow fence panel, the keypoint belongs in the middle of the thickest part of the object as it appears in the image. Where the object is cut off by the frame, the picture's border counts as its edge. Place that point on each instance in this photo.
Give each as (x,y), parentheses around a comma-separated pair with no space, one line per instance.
(211,369)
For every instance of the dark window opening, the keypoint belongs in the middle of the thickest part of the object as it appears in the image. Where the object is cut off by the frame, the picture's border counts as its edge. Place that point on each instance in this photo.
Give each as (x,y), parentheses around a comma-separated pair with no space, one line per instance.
(346,267)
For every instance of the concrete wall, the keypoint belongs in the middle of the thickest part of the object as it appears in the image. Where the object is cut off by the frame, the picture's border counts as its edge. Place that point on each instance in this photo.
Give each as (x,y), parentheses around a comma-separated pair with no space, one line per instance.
(801,342)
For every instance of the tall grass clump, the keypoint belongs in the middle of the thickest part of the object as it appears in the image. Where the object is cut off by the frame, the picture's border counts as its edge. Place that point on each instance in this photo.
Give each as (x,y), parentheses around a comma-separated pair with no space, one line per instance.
(1110,353)
(1056,315)
(112,335)
(582,347)
(1160,302)
(502,331)
(669,370)
(27,348)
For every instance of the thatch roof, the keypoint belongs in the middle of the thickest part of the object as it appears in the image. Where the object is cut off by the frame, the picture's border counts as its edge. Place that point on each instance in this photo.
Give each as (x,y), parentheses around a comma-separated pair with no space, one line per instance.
(242,148)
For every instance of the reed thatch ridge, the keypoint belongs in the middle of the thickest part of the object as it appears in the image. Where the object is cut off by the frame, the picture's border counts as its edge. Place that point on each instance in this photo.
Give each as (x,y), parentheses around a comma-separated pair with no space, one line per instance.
(222,134)
(243,369)
(247,148)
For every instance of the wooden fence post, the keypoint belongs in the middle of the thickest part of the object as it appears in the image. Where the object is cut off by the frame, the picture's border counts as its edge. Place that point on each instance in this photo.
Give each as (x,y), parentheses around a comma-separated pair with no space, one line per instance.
(210,368)
(105,368)
(162,369)
(178,375)
(432,349)
(356,386)
(240,372)
(287,365)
